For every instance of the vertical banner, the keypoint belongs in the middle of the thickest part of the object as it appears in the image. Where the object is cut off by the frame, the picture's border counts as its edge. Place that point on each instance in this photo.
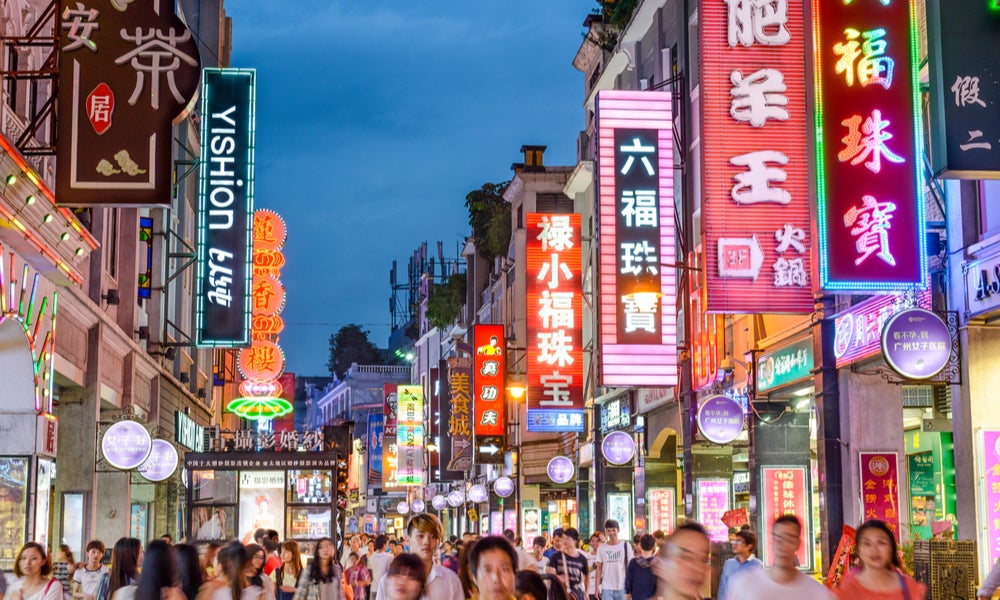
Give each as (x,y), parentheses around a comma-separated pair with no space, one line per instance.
(375,423)
(786,491)
(490,398)
(225,208)
(555,323)
(637,277)
(390,449)
(662,510)
(868,135)
(755,171)
(880,488)
(713,503)
(389,408)
(410,435)
(457,447)
(990,473)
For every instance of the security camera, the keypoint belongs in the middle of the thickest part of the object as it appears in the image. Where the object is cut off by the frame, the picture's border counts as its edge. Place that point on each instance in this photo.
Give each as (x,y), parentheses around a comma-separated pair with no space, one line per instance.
(727,365)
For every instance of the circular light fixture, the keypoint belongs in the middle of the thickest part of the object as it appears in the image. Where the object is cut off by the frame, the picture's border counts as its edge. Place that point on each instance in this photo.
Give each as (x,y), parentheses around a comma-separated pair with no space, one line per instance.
(503,487)
(439,502)
(403,508)
(47,218)
(30,199)
(255,409)
(126,445)
(455,498)
(478,493)
(64,236)
(11,179)
(417,506)
(79,251)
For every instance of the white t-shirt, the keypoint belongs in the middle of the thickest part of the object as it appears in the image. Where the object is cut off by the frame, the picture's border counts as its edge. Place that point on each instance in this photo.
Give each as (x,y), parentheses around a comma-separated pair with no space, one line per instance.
(755,584)
(88,579)
(378,563)
(613,560)
(442,584)
(52,590)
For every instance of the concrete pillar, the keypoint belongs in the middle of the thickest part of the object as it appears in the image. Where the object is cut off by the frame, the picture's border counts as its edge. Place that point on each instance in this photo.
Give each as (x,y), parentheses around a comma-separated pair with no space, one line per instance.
(829,450)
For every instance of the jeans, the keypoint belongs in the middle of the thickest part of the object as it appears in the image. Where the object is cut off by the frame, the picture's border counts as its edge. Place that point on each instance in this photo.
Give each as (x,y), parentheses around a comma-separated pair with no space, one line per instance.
(612,594)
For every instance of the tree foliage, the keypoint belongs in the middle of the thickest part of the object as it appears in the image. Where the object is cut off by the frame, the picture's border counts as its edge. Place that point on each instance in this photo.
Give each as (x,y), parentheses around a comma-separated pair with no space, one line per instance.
(446,302)
(351,345)
(615,15)
(489,217)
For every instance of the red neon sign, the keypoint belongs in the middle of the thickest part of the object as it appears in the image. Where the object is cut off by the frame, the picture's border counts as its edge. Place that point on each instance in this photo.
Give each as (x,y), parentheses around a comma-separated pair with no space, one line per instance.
(785,492)
(490,389)
(755,172)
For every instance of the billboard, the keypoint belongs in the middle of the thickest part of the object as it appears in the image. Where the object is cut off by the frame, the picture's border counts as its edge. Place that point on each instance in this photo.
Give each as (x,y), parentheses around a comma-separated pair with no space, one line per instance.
(555,323)
(490,399)
(869,179)
(456,415)
(225,208)
(126,76)
(637,279)
(755,169)
(375,423)
(410,435)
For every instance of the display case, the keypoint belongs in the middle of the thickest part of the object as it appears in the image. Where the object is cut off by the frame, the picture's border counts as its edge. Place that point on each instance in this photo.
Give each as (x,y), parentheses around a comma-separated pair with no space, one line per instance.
(308,522)
(13,507)
(310,487)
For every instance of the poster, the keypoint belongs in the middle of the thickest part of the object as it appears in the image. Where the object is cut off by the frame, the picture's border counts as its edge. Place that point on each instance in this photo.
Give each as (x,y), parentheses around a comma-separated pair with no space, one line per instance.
(262,502)
(213,522)
(13,508)
(880,488)
(531,524)
(217,487)
(713,502)
(990,470)
(496,523)
(309,487)
(662,510)
(620,509)
(785,490)
(137,521)
(510,520)
(43,489)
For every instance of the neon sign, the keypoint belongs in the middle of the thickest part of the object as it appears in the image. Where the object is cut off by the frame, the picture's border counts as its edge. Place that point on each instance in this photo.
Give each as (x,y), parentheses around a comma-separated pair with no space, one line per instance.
(490,395)
(868,131)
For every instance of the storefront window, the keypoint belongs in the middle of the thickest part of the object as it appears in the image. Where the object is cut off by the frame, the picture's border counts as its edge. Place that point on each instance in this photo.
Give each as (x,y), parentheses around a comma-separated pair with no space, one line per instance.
(13,507)
(215,487)
(262,501)
(309,487)
(309,522)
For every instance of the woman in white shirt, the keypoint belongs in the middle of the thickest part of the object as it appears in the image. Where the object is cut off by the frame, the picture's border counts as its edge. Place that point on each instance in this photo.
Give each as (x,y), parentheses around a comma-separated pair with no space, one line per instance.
(34,572)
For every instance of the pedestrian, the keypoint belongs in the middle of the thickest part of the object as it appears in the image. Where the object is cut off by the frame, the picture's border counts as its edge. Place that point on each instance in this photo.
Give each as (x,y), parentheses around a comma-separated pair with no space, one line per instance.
(63,569)
(683,566)
(189,570)
(570,565)
(424,537)
(880,576)
(159,576)
(355,547)
(640,581)
(660,538)
(256,579)
(783,580)
(991,583)
(529,585)
(556,546)
(744,546)
(405,578)
(358,576)
(493,565)
(126,557)
(230,581)
(273,561)
(208,561)
(524,560)
(34,576)
(378,562)
(166,537)
(612,558)
(538,556)
(322,579)
(286,576)
(86,578)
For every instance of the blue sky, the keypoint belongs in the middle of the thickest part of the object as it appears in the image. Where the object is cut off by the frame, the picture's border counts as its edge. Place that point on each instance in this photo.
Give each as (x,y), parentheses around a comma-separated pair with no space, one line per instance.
(374,119)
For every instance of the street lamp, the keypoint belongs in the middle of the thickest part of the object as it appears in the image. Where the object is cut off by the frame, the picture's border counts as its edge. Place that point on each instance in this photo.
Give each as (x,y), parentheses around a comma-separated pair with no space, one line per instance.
(516,386)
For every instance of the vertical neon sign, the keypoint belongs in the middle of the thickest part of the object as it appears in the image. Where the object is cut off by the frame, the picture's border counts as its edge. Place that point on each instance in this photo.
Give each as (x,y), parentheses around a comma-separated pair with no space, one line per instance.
(869,181)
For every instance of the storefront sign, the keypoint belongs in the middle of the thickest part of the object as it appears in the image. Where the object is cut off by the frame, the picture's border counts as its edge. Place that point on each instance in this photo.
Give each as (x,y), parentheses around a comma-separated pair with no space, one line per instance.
(720,419)
(859,328)
(561,470)
(503,487)
(127,75)
(246,440)
(620,509)
(785,491)
(457,450)
(161,463)
(638,328)
(713,502)
(496,523)
(375,421)
(618,448)
(478,493)
(490,388)
(755,175)
(982,284)
(227,461)
(786,365)
(403,507)
(916,343)
(964,50)
(410,436)
(389,409)
(615,413)
(662,510)
(439,502)
(990,469)
(555,323)
(646,399)
(869,140)
(880,488)
(417,506)
(126,445)
(188,433)
(456,498)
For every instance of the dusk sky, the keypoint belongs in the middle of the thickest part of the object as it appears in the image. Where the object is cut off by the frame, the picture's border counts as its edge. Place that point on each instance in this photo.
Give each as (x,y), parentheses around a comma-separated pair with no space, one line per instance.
(375,119)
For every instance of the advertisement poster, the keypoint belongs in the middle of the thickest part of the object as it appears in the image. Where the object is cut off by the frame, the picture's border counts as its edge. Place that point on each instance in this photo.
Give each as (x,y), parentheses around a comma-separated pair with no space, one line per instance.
(880,488)
(484,524)
(213,522)
(785,490)
(990,470)
(43,488)
(662,510)
(531,524)
(510,520)
(496,523)
(375,424)
(713,503)
(137,521)
(262,502)
(410,435)
(620,509)
(13,508)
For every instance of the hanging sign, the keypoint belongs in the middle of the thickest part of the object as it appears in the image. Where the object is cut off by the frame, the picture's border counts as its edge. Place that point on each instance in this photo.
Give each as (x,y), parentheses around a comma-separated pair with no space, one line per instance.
(439,502)
(478,493)
(126,444)
(490,389)
(456,498)
(410,436)
(560,470)
(161,462)
(720,419)
(417,506)
(503,487)
(916,343)
(858,330)
(618,448)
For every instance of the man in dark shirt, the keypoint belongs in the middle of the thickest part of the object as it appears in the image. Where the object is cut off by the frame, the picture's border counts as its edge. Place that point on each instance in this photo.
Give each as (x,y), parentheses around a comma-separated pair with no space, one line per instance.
(570,565)
(557,537)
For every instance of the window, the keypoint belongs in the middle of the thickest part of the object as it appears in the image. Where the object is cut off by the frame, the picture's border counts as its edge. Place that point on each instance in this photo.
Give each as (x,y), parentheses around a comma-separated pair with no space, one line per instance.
(989,208)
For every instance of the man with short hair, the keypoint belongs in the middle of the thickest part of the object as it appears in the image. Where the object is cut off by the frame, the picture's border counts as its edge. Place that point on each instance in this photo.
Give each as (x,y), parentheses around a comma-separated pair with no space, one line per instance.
(537,554)
(557,537)
(86,578)
(683,567)
(783,580)
(271,549)
(424,533)
(744,545)
(379,561)
(493,568)
(612,560)
(640,581)
(570,565)
(524,560)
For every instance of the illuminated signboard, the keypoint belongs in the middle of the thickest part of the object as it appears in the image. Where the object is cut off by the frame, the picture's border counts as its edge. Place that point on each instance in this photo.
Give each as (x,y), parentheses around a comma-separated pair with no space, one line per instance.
(786,491)
(555,323)
(713,503)
(755,170)
(707,330)
(869,178)
(662,510)
(456,415)
(989,469)
(225,208)
(638,321)
(489,376)
(880,488)
(410,435)
(859,328)
(127,75)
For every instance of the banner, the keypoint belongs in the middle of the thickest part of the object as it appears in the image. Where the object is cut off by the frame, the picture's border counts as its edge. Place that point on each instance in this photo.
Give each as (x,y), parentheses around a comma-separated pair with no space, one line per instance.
(786,491)
(990,469)
(490,388)
(457,445)
(410,435)
(880,488)
(662,510)
(375,424)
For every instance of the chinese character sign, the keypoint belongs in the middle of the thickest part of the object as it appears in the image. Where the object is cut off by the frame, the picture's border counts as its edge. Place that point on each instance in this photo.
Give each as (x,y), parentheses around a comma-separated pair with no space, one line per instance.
(870,191)
(755,171)
(637,274)
(555,323)
(786,491)
(456,453)
(858,330)
(662,510)
(410,435)
(990,470)
(713,503)
(375,423)
(880,489)
(126,75)
(490,388)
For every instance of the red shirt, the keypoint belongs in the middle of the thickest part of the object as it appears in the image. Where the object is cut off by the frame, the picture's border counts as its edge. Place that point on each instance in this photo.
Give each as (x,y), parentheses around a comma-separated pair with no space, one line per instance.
(273,562)
(851,589)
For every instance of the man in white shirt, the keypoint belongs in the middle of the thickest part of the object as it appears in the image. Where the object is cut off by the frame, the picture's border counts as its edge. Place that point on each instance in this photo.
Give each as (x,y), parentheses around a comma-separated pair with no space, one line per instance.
(612,560)
(85,579)
(354,545)
(424,538)
(783,580)
(379,561)
(524,560)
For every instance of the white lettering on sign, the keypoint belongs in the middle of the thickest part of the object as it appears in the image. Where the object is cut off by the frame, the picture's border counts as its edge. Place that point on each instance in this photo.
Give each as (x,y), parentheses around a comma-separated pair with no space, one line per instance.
(760,21)
(870,226)
(156,53)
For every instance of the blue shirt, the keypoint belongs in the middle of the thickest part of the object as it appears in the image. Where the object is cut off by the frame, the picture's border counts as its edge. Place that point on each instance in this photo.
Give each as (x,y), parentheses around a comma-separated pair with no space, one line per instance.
(732,567)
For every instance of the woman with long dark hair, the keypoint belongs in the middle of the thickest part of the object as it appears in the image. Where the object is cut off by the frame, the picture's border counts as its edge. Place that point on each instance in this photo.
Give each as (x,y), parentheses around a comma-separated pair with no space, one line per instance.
(34,572)
(188,570)
(286,577)
(159,575)
(881,574)
(125,559)
(255,571)
(230,581)
(322,580)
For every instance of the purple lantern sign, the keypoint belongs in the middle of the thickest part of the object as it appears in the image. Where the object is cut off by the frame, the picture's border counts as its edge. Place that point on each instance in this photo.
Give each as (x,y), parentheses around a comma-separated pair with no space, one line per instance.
(161,463)
(916,343)
(618,448)
(439,502)
(126,445)
(503,487)
(561,469)
(720,419)
(417,506)
(456,498)
(478,493)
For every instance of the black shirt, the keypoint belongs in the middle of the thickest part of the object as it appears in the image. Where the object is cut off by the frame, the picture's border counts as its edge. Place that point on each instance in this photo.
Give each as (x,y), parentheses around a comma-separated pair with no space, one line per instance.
(576,565)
